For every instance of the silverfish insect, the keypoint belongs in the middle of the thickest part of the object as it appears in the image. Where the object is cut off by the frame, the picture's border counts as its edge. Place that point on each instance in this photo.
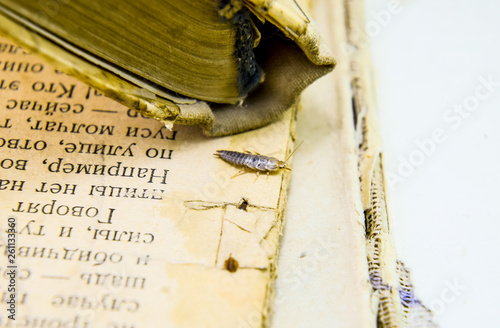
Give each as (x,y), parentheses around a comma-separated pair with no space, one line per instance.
(254,161)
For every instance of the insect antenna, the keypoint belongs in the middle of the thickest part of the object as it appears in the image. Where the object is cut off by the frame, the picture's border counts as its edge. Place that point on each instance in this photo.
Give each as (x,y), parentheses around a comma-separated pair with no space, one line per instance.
(288,157)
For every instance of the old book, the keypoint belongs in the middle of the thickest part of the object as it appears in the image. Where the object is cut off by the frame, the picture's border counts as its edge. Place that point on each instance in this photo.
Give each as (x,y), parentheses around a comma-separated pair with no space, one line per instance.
(186,62)
(120,222)
(123,223)
(340,268)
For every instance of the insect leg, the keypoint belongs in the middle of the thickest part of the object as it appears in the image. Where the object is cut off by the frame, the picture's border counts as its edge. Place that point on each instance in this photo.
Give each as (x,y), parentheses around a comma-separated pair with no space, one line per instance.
(240,172)
(257,173)
(250,152)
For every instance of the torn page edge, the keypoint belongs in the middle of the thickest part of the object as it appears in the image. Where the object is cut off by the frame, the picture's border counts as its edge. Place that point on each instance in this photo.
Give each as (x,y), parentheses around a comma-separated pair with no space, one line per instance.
(390,280)
(280,221)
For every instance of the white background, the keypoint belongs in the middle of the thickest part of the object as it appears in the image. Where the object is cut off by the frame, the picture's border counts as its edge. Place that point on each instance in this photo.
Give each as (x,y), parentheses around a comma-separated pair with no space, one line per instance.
(430,57)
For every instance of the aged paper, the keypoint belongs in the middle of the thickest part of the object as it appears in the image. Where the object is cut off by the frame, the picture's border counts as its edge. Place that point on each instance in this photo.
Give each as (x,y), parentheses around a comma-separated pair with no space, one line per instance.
(288,69)
(323,274)
(393,295)
(338,266)
(123,223)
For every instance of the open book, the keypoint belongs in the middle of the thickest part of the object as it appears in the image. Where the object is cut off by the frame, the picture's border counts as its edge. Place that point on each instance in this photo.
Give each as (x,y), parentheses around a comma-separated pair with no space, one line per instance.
(117,221)
(227,66)
(122,222)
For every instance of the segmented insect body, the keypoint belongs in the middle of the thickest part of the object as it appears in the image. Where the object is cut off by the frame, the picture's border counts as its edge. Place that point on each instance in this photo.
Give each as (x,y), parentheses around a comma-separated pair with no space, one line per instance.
(252,161)
(256,162)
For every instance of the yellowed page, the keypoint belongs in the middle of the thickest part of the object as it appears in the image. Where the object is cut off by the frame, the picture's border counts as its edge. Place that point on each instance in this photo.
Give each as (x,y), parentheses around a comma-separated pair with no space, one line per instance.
(323,274)
(394,297)
(123,223)
(338,266)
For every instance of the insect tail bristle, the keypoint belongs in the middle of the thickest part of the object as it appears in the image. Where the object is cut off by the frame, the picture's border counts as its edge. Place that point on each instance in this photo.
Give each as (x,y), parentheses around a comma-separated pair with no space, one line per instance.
(288,157)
